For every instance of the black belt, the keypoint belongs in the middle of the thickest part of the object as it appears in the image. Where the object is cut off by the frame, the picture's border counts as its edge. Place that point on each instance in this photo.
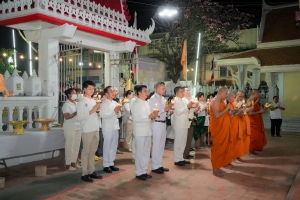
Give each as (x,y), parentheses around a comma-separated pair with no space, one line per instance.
(160,121)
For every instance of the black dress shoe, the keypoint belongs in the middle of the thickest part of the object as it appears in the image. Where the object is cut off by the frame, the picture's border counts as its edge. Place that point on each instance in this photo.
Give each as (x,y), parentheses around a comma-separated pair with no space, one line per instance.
(95,176)
(186,162)
(188,157)
(164,169)
(87,178)
(147,175)
(113,168)
(107,170)
(141,177)
(158,171)
(180,163)
(278,135)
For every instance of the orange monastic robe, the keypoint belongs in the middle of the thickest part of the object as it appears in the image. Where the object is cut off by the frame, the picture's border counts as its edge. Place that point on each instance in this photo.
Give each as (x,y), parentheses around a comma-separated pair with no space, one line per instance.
(221,151)
(257,138)
(240,128)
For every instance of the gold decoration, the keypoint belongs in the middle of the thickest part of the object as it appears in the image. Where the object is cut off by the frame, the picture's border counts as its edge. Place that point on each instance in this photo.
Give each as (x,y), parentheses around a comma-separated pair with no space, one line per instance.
(128,85)
(18,126)
(45,123)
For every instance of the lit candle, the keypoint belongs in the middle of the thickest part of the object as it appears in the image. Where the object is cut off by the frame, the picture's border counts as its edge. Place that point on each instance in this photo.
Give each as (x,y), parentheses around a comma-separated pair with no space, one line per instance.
(155,108)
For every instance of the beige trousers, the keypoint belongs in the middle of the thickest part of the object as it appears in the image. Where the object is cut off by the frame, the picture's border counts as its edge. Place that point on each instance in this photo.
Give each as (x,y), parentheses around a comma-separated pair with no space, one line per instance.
(128,134)
(90,143)
(73,138)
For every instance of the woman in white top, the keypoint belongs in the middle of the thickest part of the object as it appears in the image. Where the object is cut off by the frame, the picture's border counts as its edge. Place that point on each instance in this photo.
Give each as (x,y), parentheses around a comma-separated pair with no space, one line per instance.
(170,127)
(127,120)
(200,116)
(71,129)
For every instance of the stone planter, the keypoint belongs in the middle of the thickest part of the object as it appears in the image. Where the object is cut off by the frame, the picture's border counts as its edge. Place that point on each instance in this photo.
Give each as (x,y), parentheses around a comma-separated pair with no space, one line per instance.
(41,170)
(2,182)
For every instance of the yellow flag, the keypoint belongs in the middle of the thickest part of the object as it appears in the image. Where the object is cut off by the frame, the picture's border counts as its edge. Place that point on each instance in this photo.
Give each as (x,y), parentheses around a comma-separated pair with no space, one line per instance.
(183,60)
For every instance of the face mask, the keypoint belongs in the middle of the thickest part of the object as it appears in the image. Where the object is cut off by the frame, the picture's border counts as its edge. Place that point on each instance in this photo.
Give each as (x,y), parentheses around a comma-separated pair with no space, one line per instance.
(74,97)
(79,96)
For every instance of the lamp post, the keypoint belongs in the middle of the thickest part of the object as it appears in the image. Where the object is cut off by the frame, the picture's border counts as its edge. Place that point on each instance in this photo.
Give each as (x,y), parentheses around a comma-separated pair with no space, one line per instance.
(167,12)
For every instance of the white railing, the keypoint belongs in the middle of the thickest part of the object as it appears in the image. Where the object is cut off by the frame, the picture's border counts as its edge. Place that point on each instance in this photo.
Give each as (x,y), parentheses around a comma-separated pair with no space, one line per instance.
(81,12)
(22,108)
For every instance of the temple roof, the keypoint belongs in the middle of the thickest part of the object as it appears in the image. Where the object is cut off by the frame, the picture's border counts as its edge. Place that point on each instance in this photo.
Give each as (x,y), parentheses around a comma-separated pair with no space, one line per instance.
(271,57)
(280,25)
(86,15)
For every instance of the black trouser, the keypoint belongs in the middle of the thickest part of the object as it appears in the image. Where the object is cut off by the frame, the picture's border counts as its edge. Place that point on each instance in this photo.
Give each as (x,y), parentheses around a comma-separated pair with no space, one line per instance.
(275,125)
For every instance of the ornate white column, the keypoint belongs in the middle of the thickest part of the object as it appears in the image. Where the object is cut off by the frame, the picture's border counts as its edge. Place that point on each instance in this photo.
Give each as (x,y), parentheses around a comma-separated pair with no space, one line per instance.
(107,69)
(280,85)
(255,78)
(271,82)
(114,69)
(10,117)
(29,116)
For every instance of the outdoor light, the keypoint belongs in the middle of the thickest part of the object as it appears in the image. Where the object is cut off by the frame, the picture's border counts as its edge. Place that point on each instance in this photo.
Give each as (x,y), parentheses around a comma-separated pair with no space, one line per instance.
(36,58)
(21,56)
(60,59)
(99,66)
(167,12)
(187,70)
(192,69)
(4,54)
(90,64)
(80,63)
(70,59)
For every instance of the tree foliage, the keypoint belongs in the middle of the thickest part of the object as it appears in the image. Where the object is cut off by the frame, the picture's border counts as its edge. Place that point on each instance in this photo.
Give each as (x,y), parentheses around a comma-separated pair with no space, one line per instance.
(5,62)
(217,24)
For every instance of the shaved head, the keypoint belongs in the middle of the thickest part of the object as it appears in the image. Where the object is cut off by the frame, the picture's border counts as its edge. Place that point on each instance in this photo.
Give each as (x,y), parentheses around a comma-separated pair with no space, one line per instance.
(255,91)
(230,94)
(240,95)
(255,94)
(231,97)
(222,89)
(222,93)
(240,92)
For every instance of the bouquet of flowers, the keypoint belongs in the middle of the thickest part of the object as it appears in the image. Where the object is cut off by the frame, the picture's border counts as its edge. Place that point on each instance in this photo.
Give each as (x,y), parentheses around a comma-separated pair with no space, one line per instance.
(269,105)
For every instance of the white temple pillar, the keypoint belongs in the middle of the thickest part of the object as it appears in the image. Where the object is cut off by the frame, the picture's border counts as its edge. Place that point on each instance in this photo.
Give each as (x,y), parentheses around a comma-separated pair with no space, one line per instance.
(271,82)
(114,69)
(255,78)
(242,74)
(107,69)
(280,85)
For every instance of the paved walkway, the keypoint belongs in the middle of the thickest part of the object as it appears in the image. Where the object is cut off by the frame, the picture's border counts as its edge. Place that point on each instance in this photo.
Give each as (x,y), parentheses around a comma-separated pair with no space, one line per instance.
(268,177)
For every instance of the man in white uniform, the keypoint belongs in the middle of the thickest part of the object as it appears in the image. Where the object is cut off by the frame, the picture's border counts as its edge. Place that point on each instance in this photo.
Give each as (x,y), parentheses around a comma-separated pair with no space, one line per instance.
(132,145)
(158,126)
(181,125)
(276,117)
(141,116)
(110,112)
(88,114)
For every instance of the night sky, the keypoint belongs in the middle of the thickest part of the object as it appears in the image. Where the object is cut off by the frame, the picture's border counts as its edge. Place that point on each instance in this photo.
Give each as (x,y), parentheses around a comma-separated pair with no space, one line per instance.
(145,10)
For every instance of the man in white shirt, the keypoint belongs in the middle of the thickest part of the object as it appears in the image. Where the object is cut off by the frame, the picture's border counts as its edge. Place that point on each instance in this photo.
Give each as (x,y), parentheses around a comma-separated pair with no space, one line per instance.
(181,125)
(110,112)
(88,114)
(187,99)
(141,116)
(158,126)
(276,116)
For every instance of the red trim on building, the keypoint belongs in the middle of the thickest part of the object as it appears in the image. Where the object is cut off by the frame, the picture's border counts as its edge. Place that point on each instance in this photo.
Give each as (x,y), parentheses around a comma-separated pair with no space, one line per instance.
(53,20)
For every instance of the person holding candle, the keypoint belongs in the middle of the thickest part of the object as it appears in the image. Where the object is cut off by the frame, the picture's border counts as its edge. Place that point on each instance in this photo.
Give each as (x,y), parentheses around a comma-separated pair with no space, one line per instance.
(127,120)
(257,138)
(181,126)
(219,126)
(71,129)
(276,116)
(88,114)
(157,103)
(170,117)
(200,117)
(188,99)
(110,112)
(141,117)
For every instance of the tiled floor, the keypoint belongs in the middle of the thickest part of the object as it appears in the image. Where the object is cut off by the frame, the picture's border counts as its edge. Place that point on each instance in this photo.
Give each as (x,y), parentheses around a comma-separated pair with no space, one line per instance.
(268,177)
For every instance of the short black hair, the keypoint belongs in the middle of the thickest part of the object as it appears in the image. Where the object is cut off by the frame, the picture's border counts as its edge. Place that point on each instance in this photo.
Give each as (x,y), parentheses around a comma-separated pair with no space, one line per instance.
(78,90)
(208,96)
(86,84)
(199,94)
(215,93)
(106,89)
(170,99)
(275,97)
(139,88)
(150,95)
(69,91)
(176,89)
(128,92)
(159,83)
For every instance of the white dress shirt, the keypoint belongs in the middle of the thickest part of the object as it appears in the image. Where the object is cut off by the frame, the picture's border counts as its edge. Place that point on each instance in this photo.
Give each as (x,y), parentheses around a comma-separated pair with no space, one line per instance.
(191,111)
(110,119)
(202,111)
(88,123)
(161,104)
(73,123)
(181,114)
(276,114)
(140,111)
(126,113)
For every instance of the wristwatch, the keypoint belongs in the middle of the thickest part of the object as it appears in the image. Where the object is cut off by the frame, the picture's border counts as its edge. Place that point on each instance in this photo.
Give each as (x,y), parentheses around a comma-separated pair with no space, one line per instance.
(97,111)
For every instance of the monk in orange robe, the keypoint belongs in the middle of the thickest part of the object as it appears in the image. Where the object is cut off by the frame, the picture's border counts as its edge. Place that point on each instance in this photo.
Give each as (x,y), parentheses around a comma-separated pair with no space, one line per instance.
(219,125)
(257,138)
(240,127)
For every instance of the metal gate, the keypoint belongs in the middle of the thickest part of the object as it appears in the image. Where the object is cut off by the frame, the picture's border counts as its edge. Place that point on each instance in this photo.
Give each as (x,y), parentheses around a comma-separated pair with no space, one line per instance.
(69,70)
